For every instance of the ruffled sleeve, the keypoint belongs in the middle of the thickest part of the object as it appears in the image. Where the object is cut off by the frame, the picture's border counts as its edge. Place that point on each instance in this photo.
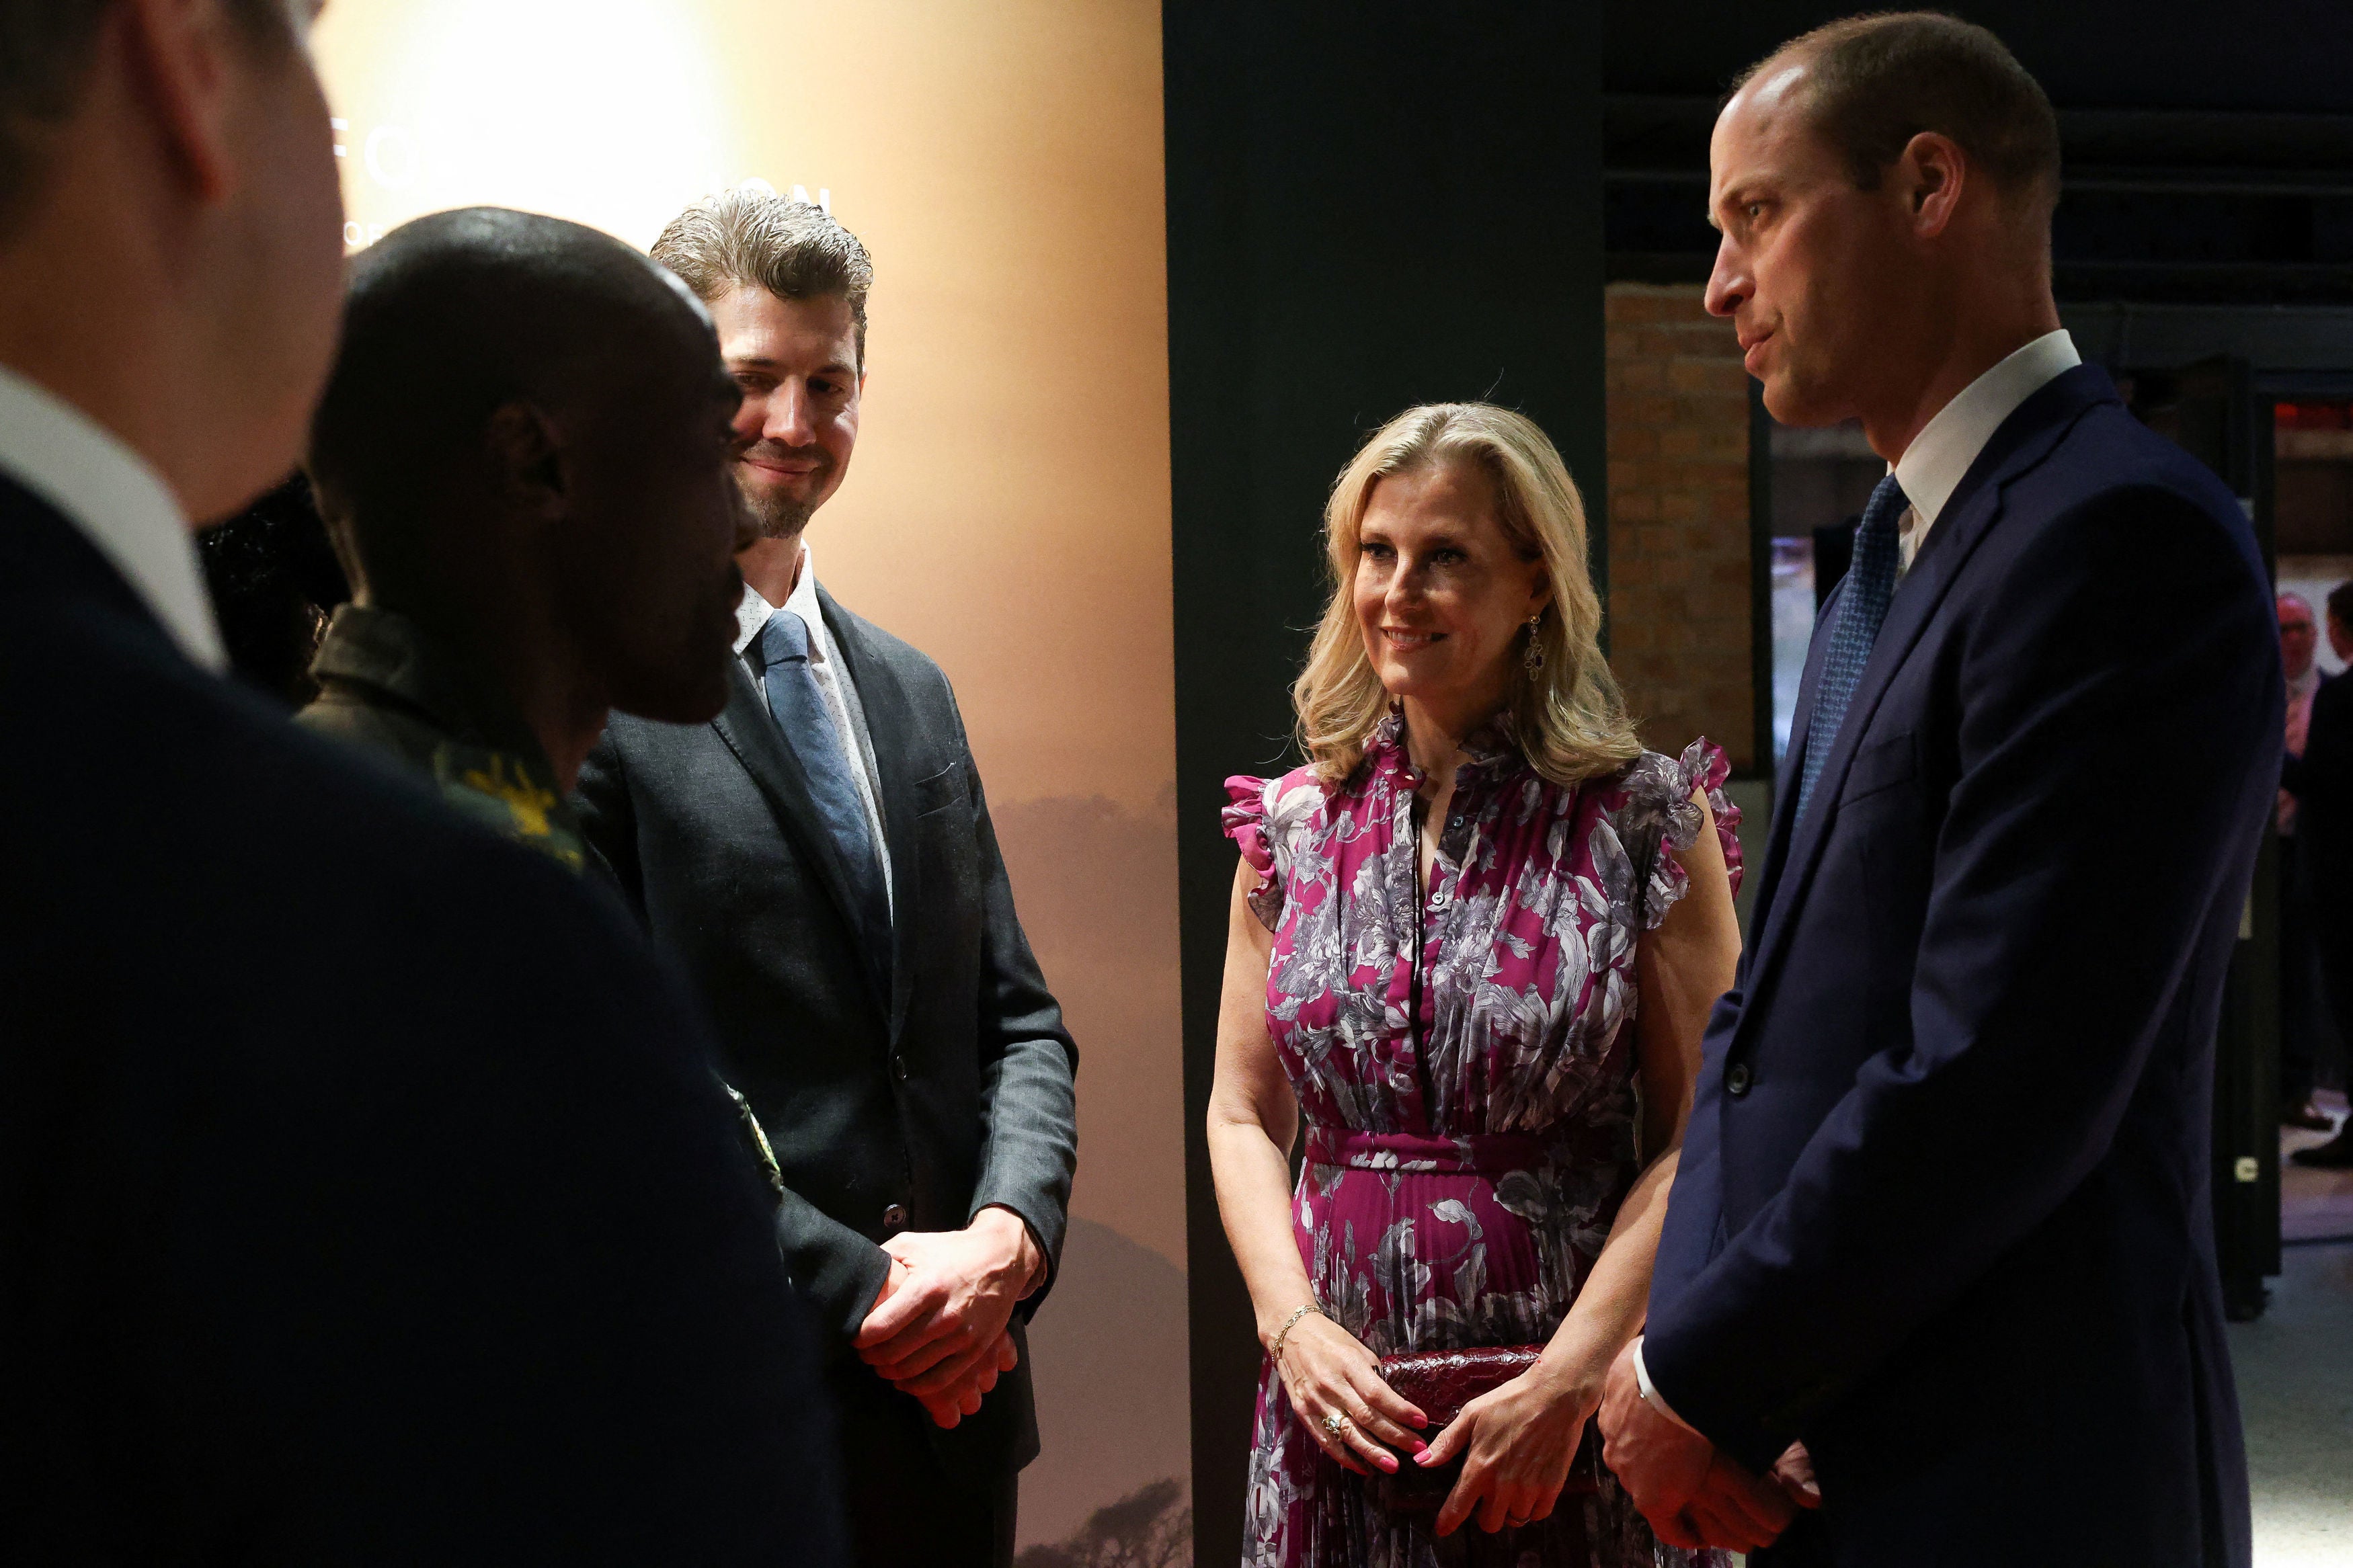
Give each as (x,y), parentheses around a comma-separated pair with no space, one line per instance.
(1702,767)
(1245,819)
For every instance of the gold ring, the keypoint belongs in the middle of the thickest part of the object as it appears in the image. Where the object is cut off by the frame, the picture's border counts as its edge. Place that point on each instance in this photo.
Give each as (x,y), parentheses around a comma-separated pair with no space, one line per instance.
(1335,1423)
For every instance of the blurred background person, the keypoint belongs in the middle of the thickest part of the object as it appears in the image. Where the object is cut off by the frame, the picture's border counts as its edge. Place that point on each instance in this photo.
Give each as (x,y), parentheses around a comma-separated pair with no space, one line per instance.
(821,859)
(522,457)
(1474,940)
(272,575)
(2322,780)
(2300,1014)
(367,1196)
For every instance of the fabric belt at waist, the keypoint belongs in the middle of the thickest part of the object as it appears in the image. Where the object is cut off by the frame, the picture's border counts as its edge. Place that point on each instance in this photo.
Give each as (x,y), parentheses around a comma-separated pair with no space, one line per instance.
(1484,1154)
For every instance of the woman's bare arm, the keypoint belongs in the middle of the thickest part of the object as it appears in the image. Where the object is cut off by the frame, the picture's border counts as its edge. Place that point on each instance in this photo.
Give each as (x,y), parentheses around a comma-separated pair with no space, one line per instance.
(1254,1119)
(1680,970)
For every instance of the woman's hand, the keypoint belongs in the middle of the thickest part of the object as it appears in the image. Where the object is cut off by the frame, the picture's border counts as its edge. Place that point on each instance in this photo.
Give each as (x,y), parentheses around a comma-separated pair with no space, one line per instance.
(1328,1372)
(1519,1439)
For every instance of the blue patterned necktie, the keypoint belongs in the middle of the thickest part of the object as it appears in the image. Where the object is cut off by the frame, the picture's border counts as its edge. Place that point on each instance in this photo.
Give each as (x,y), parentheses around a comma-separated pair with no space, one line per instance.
(1869,585)
(807,724)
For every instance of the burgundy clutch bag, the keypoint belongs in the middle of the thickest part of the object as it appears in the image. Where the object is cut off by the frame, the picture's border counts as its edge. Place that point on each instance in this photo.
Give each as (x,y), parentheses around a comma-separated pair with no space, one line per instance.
(1439,1383)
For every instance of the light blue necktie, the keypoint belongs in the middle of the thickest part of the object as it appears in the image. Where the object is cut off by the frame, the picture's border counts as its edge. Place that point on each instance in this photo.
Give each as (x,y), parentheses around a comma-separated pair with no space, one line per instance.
(807,724)
(1862,609)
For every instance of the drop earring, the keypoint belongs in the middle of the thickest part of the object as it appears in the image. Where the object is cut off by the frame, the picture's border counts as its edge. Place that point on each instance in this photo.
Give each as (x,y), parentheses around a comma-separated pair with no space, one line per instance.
(1536,654)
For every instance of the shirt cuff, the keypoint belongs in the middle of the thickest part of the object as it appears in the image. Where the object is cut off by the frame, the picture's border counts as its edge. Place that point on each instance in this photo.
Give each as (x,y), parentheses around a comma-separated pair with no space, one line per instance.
(1651,1396)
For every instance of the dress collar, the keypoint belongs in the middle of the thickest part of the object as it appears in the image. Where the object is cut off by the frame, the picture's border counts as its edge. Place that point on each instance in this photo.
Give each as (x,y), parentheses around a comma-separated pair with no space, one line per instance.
(1493,742)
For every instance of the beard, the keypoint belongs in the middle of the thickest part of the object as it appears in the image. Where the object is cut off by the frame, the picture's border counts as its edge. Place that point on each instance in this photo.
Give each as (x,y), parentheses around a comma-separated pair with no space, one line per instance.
(779,515)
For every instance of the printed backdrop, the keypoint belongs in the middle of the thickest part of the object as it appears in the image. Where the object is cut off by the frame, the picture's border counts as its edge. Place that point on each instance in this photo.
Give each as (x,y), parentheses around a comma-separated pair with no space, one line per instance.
(1007,511)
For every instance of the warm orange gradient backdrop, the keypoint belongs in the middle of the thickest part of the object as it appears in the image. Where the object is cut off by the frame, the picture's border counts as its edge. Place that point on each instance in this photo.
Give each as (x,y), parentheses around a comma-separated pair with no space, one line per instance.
(1008,510)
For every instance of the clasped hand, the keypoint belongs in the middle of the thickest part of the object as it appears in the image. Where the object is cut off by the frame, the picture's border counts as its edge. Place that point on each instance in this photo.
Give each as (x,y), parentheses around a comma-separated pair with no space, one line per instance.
(1693,1495)
(939,1328)
(1517,1439)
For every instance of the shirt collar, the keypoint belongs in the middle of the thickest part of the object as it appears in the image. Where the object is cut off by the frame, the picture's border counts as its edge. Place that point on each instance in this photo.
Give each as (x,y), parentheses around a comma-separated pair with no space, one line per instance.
(753,610)
(117,501)
(386,651)
(1938,459)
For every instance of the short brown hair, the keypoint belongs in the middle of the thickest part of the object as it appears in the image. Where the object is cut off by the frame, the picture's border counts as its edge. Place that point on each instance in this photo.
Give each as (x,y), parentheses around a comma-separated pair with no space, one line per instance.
(1876,82)
(794,250)
(46,49)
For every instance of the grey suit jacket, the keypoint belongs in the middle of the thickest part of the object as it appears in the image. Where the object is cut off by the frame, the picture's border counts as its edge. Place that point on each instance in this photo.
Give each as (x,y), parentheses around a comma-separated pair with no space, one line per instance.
(902,1091)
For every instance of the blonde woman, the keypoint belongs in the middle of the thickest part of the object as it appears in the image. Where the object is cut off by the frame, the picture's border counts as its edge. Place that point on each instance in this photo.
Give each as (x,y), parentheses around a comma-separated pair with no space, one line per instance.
(1475,940)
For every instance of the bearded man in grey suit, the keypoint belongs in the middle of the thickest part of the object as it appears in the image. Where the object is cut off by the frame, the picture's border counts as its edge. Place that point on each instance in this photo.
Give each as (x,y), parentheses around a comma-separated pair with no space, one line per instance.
(820,858)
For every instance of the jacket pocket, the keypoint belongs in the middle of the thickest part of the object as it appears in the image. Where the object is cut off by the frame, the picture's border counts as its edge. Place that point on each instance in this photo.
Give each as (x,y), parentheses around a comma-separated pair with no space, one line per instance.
(1881,765)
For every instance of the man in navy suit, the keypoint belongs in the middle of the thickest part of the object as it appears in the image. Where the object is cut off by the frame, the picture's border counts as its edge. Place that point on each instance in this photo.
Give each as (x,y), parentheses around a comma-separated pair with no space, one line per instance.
(366,1196)
(1942,1230)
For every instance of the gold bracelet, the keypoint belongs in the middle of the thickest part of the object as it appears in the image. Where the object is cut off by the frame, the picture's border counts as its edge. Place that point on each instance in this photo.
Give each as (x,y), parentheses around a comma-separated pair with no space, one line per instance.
(1274,1351)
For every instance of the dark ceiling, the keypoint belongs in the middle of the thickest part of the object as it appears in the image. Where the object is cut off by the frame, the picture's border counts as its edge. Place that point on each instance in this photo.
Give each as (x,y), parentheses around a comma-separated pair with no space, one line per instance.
(2209,147)
(2243,55)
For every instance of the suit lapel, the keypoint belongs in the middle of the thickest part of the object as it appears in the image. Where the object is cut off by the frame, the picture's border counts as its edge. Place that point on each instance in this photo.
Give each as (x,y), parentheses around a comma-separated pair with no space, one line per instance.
(2022,442)
(750,730)
(891,730)
(1785,784)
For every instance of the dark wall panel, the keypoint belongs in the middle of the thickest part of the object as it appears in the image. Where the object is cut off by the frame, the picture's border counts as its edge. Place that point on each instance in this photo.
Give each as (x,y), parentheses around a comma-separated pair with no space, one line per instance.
(1369,206)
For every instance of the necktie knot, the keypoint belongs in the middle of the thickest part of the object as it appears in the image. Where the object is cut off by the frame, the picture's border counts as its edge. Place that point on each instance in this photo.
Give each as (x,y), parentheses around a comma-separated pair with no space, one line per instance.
(785,637)
(1862,609)
(1882,513)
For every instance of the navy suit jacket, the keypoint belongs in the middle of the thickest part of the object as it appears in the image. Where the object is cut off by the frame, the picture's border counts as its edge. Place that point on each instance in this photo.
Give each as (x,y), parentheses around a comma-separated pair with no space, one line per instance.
(366,1196)
(1944,1210)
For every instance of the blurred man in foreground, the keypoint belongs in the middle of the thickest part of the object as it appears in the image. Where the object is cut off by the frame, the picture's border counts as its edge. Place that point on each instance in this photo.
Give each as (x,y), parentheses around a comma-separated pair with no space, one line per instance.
(363,1196)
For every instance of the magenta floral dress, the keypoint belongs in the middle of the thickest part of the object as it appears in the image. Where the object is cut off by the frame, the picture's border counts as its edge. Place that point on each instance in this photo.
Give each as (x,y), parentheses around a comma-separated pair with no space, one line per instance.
(1473,1120)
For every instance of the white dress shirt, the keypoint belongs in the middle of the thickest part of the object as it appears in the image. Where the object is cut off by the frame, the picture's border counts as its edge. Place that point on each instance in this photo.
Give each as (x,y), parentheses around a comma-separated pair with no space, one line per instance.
(840,694)
(1938,459)
(120,503)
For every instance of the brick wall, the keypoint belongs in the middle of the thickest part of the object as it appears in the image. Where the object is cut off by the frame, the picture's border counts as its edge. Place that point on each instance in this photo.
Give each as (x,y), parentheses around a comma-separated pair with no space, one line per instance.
(1679,584)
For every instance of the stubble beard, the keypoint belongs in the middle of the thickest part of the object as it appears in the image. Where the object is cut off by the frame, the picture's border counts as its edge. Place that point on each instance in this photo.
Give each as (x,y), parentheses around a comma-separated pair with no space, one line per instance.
(777,516)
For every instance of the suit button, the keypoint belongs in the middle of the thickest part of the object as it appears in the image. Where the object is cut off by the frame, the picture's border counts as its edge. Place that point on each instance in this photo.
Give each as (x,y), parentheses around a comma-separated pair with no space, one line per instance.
(899,1066)
(895,1218)
(1736,1079)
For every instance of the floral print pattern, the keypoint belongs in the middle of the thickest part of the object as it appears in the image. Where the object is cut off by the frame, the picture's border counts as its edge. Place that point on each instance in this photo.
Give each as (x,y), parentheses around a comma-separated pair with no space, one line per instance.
(1466,1070)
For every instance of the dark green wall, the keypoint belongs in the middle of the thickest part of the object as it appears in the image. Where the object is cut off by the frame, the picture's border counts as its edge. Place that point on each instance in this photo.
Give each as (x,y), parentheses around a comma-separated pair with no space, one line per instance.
(1369,206)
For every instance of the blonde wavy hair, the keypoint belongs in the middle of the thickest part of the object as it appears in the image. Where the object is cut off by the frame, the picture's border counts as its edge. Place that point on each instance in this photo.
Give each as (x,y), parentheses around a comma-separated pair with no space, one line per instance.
(1569,720)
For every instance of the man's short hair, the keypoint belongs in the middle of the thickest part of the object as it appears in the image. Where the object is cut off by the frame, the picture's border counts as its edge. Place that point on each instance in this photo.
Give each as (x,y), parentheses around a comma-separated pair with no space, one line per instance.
(46,49)
(2340,605)
(448,318)
(794,250)
(1874,82)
